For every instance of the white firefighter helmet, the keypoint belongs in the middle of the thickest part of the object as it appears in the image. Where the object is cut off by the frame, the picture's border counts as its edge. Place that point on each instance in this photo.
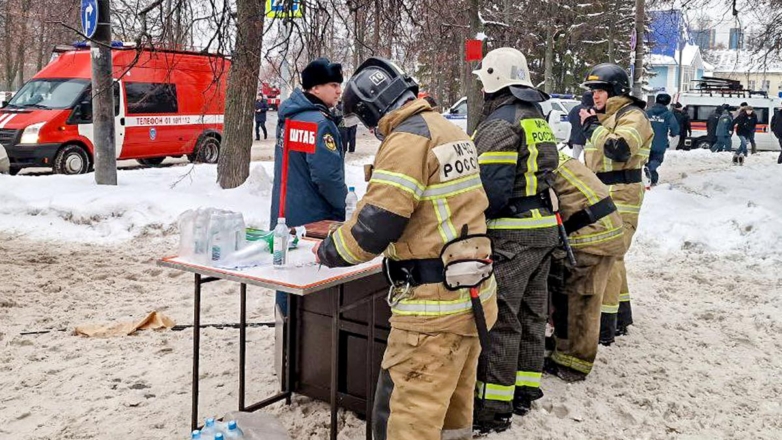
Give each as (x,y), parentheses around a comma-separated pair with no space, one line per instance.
(503,67)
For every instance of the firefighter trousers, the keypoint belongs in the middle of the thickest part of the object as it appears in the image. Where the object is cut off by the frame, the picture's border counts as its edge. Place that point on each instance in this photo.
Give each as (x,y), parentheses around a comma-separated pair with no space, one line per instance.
(513,362)
(425,389)
(616,309)
(577,306)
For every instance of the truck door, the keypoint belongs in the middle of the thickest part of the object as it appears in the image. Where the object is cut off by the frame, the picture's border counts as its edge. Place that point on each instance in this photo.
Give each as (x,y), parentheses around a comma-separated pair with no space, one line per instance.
(152,120)
(82,117)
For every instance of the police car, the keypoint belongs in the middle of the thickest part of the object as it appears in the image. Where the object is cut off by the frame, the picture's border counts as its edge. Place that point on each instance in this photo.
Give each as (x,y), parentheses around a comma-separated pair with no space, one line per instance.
(555,109)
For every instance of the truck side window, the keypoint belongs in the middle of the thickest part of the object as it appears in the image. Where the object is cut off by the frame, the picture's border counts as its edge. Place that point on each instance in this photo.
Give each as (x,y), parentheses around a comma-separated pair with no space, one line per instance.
(153,98)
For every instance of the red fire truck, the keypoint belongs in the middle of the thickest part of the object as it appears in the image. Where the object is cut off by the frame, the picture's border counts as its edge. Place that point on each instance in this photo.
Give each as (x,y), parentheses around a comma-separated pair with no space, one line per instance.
(166,103)
(272,95)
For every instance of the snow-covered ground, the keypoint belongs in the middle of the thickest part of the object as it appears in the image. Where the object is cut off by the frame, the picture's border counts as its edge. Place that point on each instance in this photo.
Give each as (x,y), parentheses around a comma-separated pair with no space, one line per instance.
(702,361)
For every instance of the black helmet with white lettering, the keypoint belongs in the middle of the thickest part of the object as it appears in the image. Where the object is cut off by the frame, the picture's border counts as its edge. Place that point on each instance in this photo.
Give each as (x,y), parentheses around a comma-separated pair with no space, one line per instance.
(375,89)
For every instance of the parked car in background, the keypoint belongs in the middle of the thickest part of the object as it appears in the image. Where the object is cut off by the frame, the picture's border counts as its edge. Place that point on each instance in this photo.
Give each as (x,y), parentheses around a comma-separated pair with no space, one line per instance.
(555,110)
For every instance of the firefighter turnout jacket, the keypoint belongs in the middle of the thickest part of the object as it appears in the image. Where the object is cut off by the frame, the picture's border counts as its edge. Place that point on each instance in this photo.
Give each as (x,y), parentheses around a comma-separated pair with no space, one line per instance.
(617,150)
(517,152)
(425,191)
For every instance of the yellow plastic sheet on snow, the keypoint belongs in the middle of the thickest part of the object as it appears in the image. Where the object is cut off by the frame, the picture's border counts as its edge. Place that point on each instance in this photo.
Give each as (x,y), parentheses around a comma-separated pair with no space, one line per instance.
(153,321)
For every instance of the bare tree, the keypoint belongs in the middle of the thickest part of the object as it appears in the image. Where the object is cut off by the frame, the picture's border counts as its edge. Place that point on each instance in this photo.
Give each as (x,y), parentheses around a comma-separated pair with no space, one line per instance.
(233,167)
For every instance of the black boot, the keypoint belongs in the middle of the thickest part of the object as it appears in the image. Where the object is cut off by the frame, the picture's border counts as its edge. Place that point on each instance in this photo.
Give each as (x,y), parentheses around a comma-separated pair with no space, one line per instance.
(523,398)
(568,375)
(486,420)
(607,328)
(624,318)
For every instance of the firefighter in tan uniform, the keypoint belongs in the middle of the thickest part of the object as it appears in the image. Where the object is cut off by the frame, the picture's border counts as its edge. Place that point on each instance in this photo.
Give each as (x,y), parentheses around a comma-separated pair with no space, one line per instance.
(424,210)
(517,153)
(619,138)
(595,234)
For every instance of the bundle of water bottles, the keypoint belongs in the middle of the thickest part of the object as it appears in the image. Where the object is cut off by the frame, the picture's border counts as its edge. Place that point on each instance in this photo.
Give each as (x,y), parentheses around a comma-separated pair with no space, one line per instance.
(214,430)
(219,238)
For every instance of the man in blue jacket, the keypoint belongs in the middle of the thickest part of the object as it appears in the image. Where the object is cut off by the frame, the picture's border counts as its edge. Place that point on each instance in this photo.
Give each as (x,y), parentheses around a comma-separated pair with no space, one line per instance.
(316,182)
(664,124)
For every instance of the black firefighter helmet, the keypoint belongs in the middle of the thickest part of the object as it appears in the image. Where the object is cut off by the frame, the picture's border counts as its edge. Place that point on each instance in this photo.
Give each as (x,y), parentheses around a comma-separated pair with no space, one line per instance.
(609,77)
(374,88)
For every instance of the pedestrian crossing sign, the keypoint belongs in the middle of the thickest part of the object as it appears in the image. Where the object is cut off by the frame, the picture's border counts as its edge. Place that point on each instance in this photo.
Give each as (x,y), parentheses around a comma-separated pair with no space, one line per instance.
(283,9)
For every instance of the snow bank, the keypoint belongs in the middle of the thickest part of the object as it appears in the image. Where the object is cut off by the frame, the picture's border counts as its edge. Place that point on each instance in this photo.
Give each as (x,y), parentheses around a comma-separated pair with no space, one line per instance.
(731,209)
(146,201)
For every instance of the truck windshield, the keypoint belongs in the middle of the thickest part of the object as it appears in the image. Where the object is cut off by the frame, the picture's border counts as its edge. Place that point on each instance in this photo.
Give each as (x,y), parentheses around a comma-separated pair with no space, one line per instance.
(49,93)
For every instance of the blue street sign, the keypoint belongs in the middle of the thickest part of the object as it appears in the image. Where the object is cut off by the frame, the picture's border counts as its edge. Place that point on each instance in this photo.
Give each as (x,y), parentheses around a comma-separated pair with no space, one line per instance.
(89,17)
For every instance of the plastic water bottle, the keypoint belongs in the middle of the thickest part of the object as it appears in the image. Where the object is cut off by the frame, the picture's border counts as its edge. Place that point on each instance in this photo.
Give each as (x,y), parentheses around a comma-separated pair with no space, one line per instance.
(239,231)
(201,237)
(280,244)
(351,200)
(219,436)
(217,243)
(196,435)
(186,234)
(210,429)
(233,431)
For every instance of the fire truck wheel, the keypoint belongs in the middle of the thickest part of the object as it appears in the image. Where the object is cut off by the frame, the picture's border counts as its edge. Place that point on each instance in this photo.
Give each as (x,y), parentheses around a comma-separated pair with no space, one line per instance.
(207,150)
(71,159)
(151,161)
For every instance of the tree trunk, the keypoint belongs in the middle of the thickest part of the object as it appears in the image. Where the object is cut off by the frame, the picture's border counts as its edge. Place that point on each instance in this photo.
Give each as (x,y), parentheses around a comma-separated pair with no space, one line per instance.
(474,94)
(639,49)
(548,74)
(611,33)
(376,37)
(233,167)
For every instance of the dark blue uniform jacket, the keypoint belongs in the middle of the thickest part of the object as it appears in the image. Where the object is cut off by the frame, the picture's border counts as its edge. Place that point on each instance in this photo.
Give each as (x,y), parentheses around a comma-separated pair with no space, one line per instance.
(316,182)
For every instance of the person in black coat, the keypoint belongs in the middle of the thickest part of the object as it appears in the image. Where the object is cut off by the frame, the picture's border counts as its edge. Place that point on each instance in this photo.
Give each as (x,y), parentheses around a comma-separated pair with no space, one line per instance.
(745,124)
(685,128)
(261,107)
(577,138)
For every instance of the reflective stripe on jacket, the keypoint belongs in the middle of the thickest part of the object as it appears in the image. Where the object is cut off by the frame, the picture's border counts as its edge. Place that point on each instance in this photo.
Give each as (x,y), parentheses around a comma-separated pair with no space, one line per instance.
(578,188)
(425,189)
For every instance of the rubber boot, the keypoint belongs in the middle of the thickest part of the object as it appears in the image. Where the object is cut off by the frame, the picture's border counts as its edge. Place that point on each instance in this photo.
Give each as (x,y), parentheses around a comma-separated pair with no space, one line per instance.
(523,398)
(607,328)
(486,420)
(624,318)
(567,374)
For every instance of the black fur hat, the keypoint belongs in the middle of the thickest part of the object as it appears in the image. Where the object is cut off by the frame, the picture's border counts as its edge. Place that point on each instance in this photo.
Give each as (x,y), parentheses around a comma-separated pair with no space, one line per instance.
(321,71)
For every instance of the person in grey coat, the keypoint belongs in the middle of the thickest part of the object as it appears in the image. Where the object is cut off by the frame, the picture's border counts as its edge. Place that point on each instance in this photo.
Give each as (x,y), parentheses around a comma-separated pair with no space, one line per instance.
(724,131)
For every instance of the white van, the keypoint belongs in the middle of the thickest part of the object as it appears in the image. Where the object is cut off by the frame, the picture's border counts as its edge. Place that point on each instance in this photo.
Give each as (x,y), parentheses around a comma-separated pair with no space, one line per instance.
(555,110)
(700,104)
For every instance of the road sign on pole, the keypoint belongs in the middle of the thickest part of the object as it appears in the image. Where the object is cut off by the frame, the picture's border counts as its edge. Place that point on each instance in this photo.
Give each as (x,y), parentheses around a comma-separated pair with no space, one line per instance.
(89,17)
(283,9)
